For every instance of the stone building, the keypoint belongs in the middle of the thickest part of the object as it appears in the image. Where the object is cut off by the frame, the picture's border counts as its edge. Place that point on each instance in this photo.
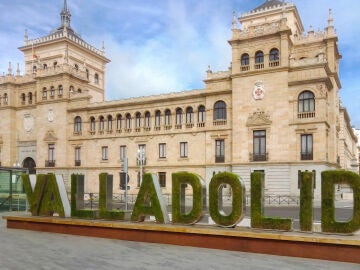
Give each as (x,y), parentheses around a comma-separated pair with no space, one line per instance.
(276,110)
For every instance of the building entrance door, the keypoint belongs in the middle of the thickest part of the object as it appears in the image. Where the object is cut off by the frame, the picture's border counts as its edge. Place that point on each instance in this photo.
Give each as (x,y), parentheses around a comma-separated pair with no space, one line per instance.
(30,164)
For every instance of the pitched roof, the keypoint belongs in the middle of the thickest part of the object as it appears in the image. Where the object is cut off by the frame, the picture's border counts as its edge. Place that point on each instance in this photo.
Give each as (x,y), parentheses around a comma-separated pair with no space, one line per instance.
(269,4)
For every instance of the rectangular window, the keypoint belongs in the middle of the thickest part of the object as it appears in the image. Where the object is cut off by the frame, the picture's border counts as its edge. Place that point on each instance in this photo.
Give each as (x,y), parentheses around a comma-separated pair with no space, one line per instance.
(104,151)
(162,179)
(77,156)
(162,150)
(307,147)
(219,151)
(259,144)
(141,154)
(183,149)
(51,152)
(122,152)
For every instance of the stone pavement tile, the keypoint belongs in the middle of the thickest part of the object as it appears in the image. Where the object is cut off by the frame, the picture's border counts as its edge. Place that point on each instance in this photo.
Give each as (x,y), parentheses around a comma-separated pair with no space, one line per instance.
(21,249)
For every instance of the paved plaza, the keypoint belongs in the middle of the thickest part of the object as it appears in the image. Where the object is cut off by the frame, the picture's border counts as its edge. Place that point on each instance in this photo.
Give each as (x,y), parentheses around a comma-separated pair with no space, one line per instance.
(21,249)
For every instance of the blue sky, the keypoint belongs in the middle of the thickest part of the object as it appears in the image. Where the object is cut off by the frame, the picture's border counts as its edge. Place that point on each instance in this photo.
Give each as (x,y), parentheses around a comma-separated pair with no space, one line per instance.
(163,46)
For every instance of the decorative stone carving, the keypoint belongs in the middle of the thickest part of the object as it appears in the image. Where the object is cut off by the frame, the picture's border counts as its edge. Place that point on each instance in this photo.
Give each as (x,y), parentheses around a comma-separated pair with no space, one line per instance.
(259,91)
(50,136)
(258,118)
(28,122)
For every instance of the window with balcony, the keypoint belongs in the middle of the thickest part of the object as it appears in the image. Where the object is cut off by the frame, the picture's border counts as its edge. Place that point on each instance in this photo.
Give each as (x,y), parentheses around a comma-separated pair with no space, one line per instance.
(30,96)
(306,105)
(259,145)
(101,123)
(183,149)
(189,117)
(274,58)
(109,123)
(219,151)
(178,118)
(128,122)
(61,90)
(259,60)
(77,156)
(119,122)
(147,121)
(220,113)
(245,62)
(162,150)
(157,120)
(307,147)
(52,91)
(137,121)
(51,156)
(44,93)
(167,119)
(92,124)
(77,125)
(201,116)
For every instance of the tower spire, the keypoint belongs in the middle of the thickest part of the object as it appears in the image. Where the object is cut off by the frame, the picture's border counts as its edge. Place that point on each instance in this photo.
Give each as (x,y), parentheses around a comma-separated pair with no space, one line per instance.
(65,15)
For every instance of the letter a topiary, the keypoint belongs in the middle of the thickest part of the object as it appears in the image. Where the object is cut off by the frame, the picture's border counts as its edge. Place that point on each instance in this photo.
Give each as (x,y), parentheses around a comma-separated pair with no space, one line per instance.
(150,201)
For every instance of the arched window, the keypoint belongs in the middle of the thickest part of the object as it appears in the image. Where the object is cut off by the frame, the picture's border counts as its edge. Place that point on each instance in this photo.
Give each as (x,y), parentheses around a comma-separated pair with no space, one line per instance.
(178,116)
(138,120)
(119,122)
(245,59)
(189,115)
(220,110)
(101,123)
(259,60)
(147,119)
(274,55)
(157,118)
(55,64)
(96,78)
(60,90)
(6,99)
(30,95)
(109,122)
(23,98)
(79,90)
(76,66)
(201,114)
(167,117)
(306,102)
(77,124)
(34,69)
(44,92)
(45,66)
(71,89)
(92,123)
(87,74)
(52,91)
(128,121)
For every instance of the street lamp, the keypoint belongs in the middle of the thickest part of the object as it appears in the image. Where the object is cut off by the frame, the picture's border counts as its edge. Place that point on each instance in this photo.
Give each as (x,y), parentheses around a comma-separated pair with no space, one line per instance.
(141,159)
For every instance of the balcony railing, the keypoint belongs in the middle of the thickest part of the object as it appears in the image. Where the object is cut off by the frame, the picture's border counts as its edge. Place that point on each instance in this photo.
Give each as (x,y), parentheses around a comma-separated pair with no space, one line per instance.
(306,156)
(219,122)
(306,114)
(219,159)
(259,157)
(49,163)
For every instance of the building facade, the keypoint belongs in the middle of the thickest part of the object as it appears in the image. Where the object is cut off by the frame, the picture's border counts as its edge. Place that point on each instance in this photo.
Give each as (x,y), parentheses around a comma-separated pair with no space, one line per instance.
(276,109)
